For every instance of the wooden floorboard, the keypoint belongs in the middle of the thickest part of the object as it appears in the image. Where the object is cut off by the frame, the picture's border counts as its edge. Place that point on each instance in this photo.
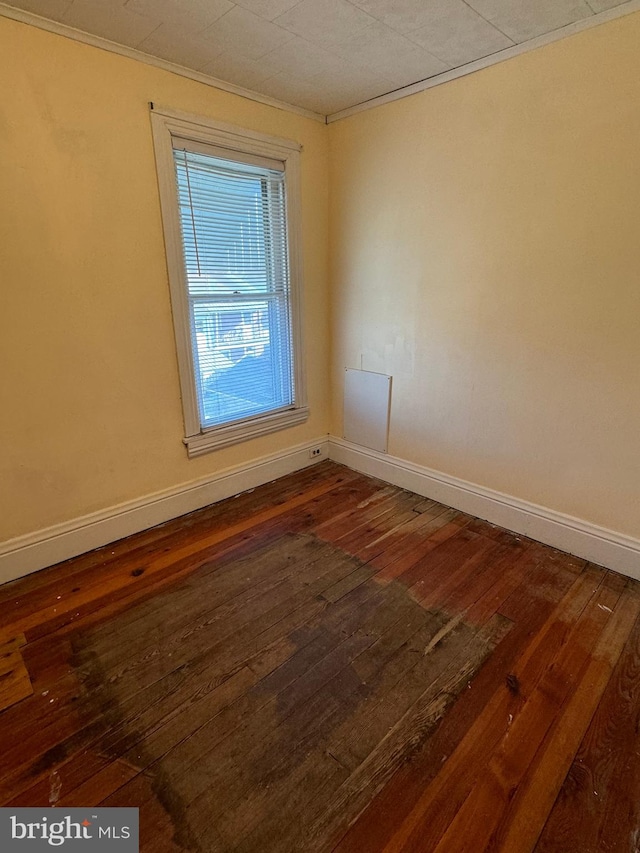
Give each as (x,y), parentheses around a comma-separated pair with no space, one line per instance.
(329,663)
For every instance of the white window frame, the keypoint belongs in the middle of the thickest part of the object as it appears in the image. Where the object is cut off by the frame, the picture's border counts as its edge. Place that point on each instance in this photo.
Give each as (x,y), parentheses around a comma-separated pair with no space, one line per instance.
(168,125)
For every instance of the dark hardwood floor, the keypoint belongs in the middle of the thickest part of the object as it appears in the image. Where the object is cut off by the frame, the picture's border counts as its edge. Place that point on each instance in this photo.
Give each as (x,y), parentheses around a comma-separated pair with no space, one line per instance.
(329,663)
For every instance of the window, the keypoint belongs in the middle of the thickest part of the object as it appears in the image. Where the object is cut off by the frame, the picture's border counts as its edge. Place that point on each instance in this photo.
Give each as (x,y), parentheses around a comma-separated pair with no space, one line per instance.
(230,211)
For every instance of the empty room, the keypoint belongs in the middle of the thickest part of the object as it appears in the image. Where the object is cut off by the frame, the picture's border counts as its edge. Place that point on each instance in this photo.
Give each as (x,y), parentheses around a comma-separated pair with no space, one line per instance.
(320,406)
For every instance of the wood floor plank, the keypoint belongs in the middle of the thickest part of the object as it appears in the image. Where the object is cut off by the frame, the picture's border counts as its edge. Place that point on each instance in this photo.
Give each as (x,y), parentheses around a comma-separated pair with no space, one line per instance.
(283,679)
(350,518)
(484,595)
(490,803)
(47,584)
(412,536)
(329,663)
(395,802)
(420,715)
(253,631)
(49,615)
(15,680)
(598,805)
(439,591)
(441,801)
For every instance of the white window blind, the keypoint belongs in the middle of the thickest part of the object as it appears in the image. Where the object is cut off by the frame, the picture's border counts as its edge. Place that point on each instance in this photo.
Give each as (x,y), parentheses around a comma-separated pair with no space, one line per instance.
(232,213)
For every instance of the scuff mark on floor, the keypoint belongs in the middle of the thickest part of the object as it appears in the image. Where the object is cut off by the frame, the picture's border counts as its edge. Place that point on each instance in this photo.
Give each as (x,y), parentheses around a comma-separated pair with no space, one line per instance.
(55,787)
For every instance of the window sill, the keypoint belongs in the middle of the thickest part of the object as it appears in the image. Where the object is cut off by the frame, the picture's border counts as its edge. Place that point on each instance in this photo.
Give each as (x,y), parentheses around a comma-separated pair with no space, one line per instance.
(215,439)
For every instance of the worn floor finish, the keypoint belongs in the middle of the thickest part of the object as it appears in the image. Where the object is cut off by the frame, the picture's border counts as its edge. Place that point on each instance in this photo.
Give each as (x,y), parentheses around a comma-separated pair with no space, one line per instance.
(329,663)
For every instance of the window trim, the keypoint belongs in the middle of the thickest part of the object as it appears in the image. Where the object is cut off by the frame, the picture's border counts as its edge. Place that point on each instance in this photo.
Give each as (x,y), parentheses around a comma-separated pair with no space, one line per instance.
(166,125)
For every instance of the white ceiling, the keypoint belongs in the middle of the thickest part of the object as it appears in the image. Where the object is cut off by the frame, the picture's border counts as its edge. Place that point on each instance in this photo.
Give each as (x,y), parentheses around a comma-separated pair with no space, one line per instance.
(321,55)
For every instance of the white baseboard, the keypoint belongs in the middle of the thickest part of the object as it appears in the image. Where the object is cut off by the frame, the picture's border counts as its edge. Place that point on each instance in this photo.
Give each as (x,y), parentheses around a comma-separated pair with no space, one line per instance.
(34,551)
(598,544)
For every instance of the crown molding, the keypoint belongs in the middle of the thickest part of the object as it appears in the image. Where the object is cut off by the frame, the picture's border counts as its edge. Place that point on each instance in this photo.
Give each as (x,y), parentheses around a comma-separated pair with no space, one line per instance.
(501,56)
(595,20)
(50,26)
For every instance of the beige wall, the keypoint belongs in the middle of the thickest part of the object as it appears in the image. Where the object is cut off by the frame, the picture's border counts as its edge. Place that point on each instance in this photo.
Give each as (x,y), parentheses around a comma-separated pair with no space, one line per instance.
(485,252)
(89,394)
(484,249)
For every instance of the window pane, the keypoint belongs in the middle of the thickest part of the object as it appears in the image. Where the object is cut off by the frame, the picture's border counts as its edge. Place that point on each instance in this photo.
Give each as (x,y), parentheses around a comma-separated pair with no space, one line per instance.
(233,225)
(234,237)
(242,353)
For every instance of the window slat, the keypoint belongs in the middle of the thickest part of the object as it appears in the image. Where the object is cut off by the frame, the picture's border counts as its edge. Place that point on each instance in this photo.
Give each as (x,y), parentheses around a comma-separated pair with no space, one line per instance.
(233,219)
